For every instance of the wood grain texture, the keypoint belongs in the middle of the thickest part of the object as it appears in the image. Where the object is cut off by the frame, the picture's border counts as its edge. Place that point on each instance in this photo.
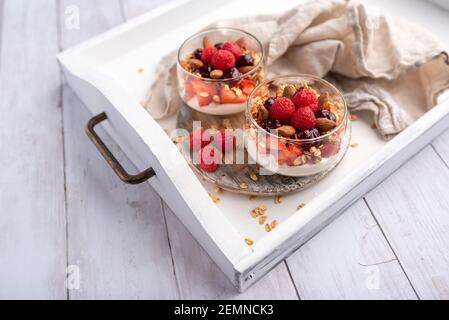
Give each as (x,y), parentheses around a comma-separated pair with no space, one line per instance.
(197,275)
(350,259)
(32,219)
(441,147)
(117,233)
(412,209)
(134,8)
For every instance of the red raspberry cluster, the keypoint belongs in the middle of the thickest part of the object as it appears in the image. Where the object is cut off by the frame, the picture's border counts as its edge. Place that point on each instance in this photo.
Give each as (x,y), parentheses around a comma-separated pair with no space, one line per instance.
(298,111)
(211,147)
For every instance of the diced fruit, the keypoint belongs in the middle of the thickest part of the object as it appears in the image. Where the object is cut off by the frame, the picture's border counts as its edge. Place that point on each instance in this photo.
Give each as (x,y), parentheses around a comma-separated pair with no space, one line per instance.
(234,48)
(224,140)
(223,60)
(303,118)
(204,91)
(198,139)
(282,109)
(230,96)
(306,97)
(247,86)
(209,158)
(190,91)
(329,149)
(290,154)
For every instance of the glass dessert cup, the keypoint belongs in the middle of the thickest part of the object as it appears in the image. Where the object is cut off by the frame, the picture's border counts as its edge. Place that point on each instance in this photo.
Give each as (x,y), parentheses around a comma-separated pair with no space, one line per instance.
(300,153)
(200,85)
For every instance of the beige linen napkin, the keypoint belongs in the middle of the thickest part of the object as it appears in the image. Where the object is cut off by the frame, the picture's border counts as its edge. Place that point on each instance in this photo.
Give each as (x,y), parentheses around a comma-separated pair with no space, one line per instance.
(393,68)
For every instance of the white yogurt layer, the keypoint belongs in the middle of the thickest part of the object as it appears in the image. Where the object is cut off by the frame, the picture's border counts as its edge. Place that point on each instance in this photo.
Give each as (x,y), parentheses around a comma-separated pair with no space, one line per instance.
(217,109)
(269,162)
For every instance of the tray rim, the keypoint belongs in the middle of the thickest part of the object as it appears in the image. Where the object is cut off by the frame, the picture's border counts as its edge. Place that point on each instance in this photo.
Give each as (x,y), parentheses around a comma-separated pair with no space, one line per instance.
(242,258)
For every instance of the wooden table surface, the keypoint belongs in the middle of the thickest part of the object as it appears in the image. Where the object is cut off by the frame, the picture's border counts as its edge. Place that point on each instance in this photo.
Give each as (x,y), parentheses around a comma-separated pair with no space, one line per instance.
(62,210)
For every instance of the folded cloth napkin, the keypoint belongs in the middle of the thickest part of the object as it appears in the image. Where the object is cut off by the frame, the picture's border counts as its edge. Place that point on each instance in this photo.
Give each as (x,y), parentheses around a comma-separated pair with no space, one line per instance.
(390,67)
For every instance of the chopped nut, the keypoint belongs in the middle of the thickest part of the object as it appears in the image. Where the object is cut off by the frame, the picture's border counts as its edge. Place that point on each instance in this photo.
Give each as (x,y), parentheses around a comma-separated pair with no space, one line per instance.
(354,117)
(324,124)
(207,42)
(243,185)
(267,228)
(217,189)
(245,69)
(289,91)
(254,176)
(263,113)
(241,42)
(178,139)
(252,197)
(315,152)
(301,205)
(354,145)
(262,219)
(227,123)
(214,199)
(216,99)
(324,98)
(262,207)
(238,91)
(302,159)
(373,126)
(249,241)
(254,213)
(286,131)
(195,63)
(273,224)
(216,74)
(278,199)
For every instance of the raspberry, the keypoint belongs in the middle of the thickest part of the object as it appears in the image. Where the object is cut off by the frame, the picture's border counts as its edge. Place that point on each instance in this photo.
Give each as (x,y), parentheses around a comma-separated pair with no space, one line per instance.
(224,140)
(329,149)
(209,158)
(223,60)
(199,139)
(282,109)
(303,119)
(207,54)
(234,48)
(306,97)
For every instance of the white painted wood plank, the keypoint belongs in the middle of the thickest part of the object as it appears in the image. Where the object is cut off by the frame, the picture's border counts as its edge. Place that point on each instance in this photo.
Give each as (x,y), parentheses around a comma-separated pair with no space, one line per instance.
(412,209)
(32,219)
(134,8)
(117,233)
(199,277)
(350,259)
(441,146)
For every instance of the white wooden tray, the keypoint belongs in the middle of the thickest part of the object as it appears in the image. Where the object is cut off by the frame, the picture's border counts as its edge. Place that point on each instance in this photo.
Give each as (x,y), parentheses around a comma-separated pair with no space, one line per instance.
(106,72)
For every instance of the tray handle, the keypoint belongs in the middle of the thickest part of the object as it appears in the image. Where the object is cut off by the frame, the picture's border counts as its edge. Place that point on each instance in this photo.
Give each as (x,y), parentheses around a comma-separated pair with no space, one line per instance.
(109,157)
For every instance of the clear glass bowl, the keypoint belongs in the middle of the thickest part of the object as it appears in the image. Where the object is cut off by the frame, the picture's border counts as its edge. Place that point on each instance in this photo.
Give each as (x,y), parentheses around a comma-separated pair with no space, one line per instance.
(290,156)
(219,96)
